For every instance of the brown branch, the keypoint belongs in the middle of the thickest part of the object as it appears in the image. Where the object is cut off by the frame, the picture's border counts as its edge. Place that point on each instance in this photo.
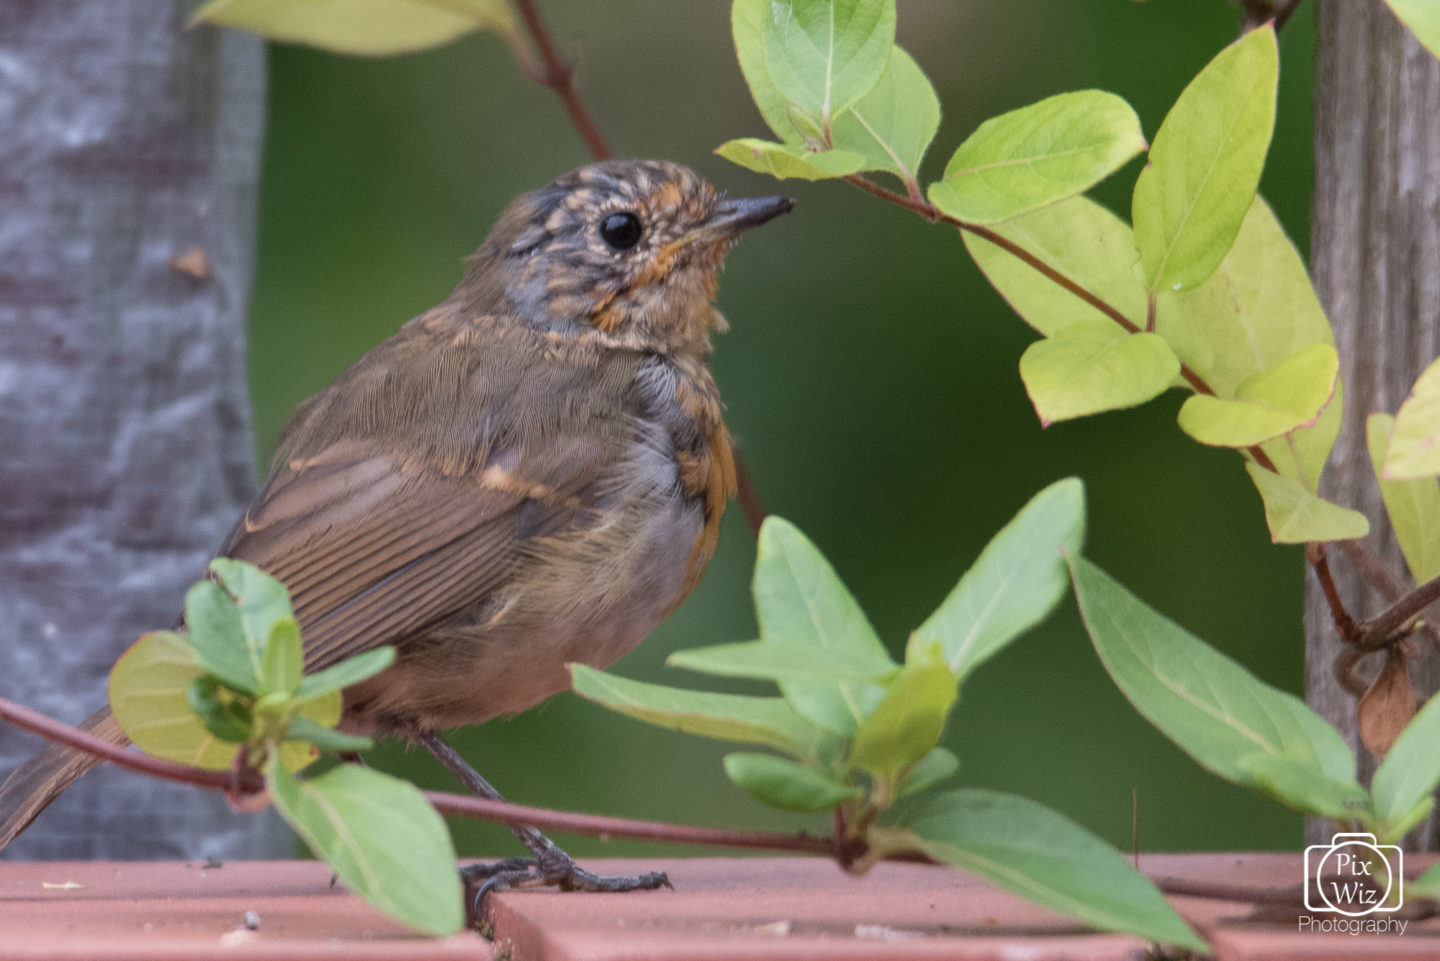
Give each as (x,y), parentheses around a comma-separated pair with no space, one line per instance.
(249,783)
(1372,569)
(1283,12)
(233,782)
(1344,623)
(615,827)
(1388,624)
(558,74)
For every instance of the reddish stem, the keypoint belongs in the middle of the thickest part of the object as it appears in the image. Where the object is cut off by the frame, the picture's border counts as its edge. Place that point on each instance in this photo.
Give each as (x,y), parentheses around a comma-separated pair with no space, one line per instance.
(558,74)
(234,782)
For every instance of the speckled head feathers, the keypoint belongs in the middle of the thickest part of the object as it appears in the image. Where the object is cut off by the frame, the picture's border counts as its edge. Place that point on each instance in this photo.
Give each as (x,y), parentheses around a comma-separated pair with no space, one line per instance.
(629,248)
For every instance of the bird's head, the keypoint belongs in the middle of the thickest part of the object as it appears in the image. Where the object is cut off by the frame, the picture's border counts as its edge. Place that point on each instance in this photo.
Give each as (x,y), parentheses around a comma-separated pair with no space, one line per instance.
(629,248)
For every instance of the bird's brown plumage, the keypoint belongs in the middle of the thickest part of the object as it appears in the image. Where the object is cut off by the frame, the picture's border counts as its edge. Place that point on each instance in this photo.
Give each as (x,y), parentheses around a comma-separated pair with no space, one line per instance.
(529,474)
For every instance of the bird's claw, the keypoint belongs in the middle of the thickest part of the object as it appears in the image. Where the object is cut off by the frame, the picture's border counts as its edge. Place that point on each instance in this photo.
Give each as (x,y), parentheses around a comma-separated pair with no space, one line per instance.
(518,874)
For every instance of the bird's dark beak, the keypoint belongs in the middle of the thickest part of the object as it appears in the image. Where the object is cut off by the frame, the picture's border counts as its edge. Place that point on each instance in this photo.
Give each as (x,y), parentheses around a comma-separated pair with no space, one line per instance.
(731,216)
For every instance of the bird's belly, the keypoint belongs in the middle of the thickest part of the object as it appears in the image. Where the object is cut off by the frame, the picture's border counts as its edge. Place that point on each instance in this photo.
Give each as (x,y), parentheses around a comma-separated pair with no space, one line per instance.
(587,596)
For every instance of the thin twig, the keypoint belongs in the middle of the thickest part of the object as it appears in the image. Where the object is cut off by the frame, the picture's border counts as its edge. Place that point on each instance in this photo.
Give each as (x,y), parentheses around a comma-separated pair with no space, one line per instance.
(1283,12)
(1386,625)
(1344,623)
(231,782)
(248,782)
(1372,569)
(558,74)
(605,826)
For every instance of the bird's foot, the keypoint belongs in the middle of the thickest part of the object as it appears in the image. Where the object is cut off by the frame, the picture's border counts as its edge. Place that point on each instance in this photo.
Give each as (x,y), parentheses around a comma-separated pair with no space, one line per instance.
(518,874)
(556,870)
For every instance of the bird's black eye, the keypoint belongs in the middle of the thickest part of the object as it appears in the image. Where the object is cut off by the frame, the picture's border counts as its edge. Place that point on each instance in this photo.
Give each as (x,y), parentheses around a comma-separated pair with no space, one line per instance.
(621,231)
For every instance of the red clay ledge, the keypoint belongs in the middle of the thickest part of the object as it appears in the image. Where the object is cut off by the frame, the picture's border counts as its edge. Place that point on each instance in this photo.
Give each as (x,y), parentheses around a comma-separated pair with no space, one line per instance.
(754,908)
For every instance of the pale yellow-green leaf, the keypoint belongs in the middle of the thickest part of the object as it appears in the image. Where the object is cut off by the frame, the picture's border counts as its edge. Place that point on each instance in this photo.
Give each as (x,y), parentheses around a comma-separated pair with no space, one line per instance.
(323,710)
(1205,163)
(1093,366)
(1257,310)
(147,695)
(1082,241)
(824,55)
(1423,19)
(747,23)
(1267,404)
(1415,439)
(1036,155)
(366,27)
(785,161)
(1412,505)
(1296,516)
(893,124)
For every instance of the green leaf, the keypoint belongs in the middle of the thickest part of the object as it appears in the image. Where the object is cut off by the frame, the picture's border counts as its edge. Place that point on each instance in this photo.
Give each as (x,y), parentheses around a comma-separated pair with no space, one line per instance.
(729,717)
(1082,241)
(824,55)
(262,599)
(217,634)
(224,715)
(1268,404)
(1415,441)
(381,838)
(1412,505)
(800,600)
(326,738)
(893,124)
(784,161)
(1423,19)
(1411,771)
(1039,154)
(1205,164)
(781,661)
(1426,885)
(1214,709)
(367,27)
(786,784)
(1285,777)
(348,672)
(1255,312)
(1015,582)
(149,689)
(1296,516)
(909,719)
(322,712)
(747,23)
(1046,858)
(933,768)
(283,663)
(1093,366)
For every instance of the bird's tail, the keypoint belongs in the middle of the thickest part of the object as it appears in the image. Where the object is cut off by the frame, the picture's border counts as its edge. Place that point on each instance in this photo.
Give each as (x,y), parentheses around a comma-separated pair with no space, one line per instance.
(33,785)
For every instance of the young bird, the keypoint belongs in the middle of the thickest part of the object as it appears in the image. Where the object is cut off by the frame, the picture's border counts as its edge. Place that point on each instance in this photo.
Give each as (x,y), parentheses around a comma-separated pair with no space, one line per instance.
(529,474)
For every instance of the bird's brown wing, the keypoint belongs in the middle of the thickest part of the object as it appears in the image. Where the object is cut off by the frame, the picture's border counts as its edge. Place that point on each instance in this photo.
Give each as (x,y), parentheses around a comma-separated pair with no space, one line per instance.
(374,547)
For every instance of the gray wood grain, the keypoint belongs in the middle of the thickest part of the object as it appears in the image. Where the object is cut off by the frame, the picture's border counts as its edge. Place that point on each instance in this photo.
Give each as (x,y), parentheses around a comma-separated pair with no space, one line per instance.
(1375,254)
(125,444)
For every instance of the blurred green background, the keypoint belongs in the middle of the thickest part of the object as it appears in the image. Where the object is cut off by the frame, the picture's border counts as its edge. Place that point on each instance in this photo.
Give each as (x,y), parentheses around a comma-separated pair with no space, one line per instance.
(870,376)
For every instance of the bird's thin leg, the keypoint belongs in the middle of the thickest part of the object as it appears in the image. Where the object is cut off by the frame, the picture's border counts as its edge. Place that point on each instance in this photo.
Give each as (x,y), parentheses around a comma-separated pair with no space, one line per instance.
(551,866)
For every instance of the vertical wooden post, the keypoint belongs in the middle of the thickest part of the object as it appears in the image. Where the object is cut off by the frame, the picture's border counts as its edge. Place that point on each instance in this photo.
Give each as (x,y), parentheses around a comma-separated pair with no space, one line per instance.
(128,173)
(1375,254)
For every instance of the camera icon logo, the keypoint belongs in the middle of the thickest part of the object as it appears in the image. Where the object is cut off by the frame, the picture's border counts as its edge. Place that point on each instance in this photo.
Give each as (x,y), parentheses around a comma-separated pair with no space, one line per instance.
(1354,876)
